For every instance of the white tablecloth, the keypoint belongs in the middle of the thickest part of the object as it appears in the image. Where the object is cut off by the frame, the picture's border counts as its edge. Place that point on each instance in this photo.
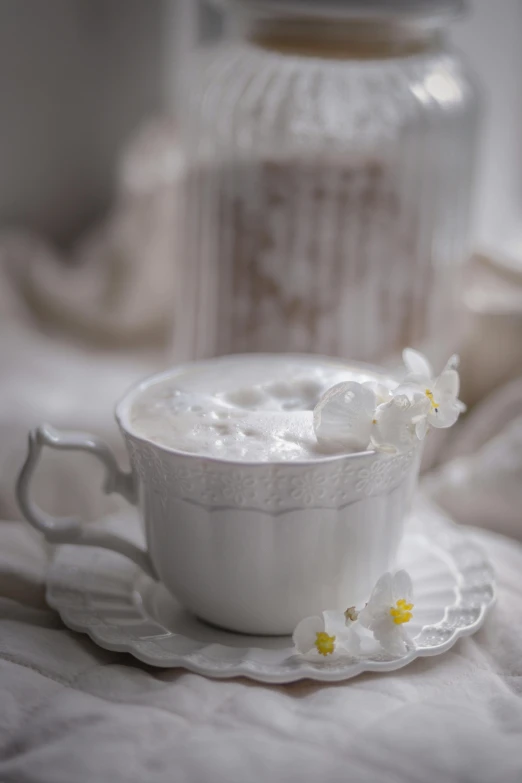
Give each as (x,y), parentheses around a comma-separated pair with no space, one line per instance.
(72,713)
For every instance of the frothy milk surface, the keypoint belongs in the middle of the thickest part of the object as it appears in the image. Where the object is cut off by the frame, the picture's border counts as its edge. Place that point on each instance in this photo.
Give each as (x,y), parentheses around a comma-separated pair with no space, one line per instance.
(250,408)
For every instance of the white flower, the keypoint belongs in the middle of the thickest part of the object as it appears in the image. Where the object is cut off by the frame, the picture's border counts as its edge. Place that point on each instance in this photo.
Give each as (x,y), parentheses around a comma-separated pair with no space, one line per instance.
(326,635)
(400,423)
(343,416)
(382,393)
(356,416)
(442,392)
(388,611)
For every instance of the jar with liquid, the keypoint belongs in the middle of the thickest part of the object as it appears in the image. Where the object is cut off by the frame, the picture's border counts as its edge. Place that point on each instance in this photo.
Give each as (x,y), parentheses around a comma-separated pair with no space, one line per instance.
(330,154)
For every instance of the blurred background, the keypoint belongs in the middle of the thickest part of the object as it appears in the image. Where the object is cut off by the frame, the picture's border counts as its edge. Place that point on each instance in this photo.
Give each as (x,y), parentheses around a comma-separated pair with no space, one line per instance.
(183,179)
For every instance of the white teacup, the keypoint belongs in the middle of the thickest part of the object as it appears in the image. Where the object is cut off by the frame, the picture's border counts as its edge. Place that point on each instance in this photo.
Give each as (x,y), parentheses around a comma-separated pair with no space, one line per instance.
(251,547)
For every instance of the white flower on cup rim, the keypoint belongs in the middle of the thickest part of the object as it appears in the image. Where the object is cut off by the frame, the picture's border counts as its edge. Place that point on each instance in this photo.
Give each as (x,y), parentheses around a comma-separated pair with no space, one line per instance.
(389,610)
(382,393)
(441,392)
(360,416)
(344,414)
(400,423)
(329,635)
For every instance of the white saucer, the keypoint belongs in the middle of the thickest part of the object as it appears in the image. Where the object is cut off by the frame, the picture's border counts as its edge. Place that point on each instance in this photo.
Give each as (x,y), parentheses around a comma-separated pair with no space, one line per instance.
(120,608)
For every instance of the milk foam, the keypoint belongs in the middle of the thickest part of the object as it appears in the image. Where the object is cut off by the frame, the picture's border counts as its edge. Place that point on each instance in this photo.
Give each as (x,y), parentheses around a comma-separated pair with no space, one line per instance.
(250,408)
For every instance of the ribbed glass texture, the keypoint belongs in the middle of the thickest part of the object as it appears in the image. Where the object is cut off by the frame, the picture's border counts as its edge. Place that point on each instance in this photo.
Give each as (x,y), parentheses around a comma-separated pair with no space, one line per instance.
(325,202)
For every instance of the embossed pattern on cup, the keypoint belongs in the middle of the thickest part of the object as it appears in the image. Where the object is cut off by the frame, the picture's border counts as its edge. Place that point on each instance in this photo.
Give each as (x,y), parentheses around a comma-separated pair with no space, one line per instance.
(256,547)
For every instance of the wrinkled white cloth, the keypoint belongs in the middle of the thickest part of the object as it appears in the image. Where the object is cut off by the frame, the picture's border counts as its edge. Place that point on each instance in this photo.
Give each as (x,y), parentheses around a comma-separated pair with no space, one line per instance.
(70,711)
(480,480)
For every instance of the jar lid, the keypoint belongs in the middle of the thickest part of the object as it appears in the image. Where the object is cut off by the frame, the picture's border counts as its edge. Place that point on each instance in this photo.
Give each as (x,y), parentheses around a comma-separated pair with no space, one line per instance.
(354,9)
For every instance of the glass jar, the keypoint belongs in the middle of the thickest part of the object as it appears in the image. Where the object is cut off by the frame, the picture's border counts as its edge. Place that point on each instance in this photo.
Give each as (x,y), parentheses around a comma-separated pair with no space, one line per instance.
(330,156)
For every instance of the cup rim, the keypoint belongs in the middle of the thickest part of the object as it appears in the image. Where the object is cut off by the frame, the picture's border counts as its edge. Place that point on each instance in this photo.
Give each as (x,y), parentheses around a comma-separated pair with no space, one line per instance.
(124,404)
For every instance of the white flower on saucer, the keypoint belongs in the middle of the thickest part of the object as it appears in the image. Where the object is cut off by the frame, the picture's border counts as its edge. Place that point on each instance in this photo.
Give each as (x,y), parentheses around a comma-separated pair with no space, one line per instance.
(327,636)
(441,392)
(400,423)
(389,610)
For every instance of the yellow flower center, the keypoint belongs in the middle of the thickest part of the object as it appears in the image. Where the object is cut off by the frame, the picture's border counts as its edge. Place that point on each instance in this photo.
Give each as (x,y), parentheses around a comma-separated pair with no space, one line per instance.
(434,405)
(325,644)
(401,612)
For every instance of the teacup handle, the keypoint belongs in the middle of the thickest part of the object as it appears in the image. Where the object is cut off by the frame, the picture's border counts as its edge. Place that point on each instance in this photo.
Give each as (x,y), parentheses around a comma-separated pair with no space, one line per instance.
(70,530)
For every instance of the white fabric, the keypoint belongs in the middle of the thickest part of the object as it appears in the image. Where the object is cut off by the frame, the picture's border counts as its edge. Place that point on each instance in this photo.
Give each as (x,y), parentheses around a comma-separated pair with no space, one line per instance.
(72,712)
(480,481)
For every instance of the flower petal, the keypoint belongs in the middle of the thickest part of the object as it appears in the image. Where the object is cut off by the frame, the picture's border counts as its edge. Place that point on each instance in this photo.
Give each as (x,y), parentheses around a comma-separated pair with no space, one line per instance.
(382,393)
(402,586)
(394,428)
(305,633)
(446,386)
(446,416)
(411,388)
(383,626)
(349,642)
(382,595)
(421,427)
(346,638)
(388,430)
(333,622)
(366,617)
(452,363)
(392,638)
(420,406)
(416,363)
(343,416)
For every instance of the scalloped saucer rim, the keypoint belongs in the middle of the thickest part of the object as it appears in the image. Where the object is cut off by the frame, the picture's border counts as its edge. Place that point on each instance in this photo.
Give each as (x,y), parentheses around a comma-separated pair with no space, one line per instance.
(121,609)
